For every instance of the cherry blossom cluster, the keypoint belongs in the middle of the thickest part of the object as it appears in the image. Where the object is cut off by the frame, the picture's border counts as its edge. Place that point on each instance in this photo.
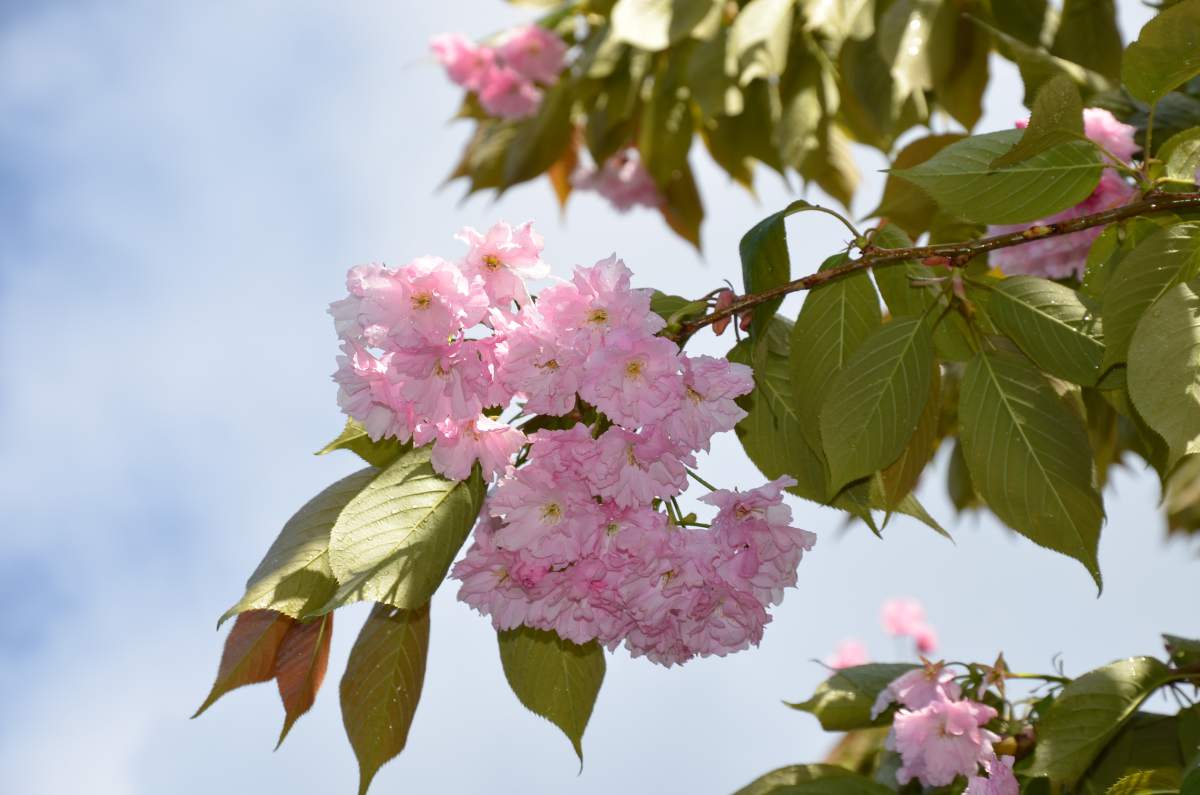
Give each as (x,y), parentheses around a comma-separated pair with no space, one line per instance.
(504,77)
(1066,255)
(582,534)
(940,735)
(622,179)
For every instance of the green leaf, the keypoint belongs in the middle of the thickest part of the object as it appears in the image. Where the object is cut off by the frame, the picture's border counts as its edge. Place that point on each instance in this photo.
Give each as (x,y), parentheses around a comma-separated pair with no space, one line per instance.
(542,139)
(554,678)
(382,685)
(903,42)
(681,207)
(1181,155)
(300,667)
(759,38)
(1145,742)
(903,203)
(1051,323)
(958,481)
(665,133)
(766,263)
(249,654)
(1147,782)
(1088,35)
(843,701)
(901,476)
(354,438)
(1028,456)
(1164,369)
(771,432)
(831,165)
(657,24)
(833,322)
(813,780)
(1185,652)
(1166,54)
(962,181)
(1164,259)
(1057,118)
(927,299)
(1089,712)
(1038,65)
(874,403)
(294,577)
(395,540)
(674,308)
(959,51)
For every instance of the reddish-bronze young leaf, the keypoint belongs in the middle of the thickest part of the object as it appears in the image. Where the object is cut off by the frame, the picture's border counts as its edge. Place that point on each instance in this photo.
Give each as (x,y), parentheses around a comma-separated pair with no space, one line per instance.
(300,667)
(561,170)
(250,650)
(382,685)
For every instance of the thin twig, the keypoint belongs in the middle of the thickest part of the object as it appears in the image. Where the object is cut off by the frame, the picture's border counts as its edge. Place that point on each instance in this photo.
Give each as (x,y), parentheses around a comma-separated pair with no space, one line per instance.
(955,255)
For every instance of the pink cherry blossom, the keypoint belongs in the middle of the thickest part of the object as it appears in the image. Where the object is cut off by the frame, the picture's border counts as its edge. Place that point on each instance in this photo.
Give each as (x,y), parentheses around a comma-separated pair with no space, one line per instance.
(506,94)
(623,180)
(534,52)
(467,63)
(902,616)
(708,407)
(918,688)
(503,258)
(1065,256)
(999,780)
(942,740)
(634,378)
(540,364)
(848,654)
(632,469)
(461,444)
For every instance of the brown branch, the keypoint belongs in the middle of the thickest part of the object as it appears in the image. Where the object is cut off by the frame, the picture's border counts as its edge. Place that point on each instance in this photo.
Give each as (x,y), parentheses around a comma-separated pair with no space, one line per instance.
(955,255)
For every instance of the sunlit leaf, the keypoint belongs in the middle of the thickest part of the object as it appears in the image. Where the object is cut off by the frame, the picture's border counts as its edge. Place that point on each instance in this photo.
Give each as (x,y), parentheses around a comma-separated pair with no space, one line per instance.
(657,24)
(554,678)
(354,437)
(1166,53)
(1089,712)
(395,540)
(294,577)
(382,685)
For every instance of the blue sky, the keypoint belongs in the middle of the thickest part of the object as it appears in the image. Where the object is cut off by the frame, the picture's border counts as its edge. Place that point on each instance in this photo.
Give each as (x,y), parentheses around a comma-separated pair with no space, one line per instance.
(182,187)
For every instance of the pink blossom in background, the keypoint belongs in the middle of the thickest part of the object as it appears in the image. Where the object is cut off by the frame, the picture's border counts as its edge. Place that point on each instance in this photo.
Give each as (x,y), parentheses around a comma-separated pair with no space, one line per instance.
(622,179)
(467,63)
(906,618)
(534,52)
(999,780)
(507,95)
(918,689)
(848,654)
(902,616)
(504,77)
(1066,255)
(942,740)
